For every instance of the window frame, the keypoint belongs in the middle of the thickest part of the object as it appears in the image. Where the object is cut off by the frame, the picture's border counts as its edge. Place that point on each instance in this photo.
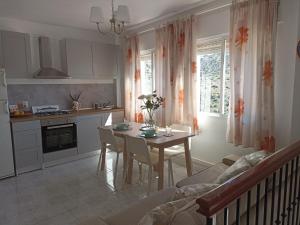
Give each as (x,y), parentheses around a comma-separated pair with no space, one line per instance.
(225,40)
(145,53)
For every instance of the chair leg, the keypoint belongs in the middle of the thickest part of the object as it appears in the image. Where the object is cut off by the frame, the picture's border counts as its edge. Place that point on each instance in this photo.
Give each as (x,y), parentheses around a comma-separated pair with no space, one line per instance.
(140,172)
(116,168)
(170,176)
(149,180)
(99,163)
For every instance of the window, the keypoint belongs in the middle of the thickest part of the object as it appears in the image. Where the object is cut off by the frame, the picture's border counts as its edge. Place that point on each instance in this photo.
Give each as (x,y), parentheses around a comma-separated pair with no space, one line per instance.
(214,74)
(147,72)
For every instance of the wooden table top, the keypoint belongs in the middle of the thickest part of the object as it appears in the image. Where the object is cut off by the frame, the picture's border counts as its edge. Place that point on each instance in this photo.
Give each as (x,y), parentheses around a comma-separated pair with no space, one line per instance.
(160,141)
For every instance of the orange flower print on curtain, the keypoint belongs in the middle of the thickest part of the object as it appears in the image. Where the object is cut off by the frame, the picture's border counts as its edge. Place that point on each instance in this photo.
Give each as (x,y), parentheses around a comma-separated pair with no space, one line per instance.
(194,67)
(164,51)
(129,54)
(268,144)
(239,108)
(181,97)
(181,40)
(242,36)
(268,73)
(139,117)
(137,75)
(195,124)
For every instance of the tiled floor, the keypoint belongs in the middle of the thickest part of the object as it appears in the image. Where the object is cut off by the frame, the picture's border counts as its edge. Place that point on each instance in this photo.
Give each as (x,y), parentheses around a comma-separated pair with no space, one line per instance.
(71,193)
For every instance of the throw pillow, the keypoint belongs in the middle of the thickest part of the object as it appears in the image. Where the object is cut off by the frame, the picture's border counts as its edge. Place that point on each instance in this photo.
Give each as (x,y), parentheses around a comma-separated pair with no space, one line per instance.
(238,167)
(256,157)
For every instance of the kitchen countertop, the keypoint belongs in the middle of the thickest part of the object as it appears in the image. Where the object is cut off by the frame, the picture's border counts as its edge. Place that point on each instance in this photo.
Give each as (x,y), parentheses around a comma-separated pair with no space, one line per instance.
(71,114)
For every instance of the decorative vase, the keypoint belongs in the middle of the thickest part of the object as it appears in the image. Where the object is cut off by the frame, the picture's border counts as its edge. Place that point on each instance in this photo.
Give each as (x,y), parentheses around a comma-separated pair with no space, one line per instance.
(75,105)
(149,119)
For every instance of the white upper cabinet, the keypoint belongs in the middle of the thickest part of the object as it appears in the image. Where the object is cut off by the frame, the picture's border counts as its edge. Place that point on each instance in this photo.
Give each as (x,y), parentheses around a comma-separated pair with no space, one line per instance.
(87,60)
(77,58)
(105,60)
(15,54)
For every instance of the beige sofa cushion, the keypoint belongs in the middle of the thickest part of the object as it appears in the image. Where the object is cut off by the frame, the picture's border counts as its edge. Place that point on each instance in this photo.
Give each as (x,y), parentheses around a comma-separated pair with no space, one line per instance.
(135,212)
(207,176)
(256,157)
(238,167)
(183,206)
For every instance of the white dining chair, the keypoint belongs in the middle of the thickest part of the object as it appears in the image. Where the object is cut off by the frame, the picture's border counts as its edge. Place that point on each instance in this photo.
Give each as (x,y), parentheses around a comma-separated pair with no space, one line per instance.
(107,137)
(137,148)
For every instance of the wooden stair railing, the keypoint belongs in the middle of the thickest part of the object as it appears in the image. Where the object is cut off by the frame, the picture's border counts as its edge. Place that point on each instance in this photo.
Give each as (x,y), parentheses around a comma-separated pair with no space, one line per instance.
(282,165)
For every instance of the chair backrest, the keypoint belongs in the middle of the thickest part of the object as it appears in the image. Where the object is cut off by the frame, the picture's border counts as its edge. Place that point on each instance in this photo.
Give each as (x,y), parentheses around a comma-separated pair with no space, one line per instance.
(138,146)
(107,137)
(185,128)
(181,127)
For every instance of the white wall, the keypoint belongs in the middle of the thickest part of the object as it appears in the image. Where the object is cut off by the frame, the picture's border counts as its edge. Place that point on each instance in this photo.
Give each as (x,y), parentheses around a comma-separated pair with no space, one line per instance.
(295,131)
(55,33)
(211,145)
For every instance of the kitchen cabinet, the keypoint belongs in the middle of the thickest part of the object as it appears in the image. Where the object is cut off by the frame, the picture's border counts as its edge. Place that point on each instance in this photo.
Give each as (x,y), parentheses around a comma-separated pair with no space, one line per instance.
(77,58)
(15,54)
(87,129)
(87,133)
(28,149)
(105,60)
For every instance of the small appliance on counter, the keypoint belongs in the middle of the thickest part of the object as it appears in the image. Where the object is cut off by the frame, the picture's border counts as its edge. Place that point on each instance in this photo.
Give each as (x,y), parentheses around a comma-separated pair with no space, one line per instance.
(21,109)
(59,134)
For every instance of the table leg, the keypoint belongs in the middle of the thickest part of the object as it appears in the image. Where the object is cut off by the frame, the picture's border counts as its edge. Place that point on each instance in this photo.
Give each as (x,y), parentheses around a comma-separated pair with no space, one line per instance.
(103,156)
(125,161)
(188,159)
(130,167)
(161,169)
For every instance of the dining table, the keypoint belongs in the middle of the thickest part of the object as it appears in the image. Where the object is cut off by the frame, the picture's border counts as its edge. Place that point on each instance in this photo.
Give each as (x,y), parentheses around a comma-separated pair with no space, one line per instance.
(159,141)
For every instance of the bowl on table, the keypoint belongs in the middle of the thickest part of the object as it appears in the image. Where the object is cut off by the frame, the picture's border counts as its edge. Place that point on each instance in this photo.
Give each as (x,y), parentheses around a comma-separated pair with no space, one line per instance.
(121,126)
(148,132)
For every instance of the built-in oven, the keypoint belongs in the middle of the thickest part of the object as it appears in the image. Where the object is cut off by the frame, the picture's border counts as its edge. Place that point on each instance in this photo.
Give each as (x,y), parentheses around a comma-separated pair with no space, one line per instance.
(59,134)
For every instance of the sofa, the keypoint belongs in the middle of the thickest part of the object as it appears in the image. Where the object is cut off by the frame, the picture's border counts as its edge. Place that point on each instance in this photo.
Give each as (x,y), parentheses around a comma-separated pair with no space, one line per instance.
(133,214)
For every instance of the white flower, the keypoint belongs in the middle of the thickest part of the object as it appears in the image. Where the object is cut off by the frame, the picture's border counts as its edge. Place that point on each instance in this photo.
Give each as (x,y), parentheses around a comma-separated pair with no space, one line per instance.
(148,97)
(141,97)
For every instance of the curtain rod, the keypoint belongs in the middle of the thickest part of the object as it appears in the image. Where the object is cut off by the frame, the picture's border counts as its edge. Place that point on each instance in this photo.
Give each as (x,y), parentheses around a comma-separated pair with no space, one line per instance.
(152,26)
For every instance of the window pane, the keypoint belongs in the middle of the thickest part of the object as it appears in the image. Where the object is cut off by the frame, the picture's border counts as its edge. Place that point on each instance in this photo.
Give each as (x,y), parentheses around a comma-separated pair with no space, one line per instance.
(227,79)
(210,80)
(146,74)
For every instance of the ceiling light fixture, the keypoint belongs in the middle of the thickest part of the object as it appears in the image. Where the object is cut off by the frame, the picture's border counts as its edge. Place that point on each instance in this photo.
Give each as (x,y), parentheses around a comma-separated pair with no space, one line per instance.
(117,22)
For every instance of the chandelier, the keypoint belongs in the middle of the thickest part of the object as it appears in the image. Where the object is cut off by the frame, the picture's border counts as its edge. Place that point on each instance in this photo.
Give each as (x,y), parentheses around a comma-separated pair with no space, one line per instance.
(118,20)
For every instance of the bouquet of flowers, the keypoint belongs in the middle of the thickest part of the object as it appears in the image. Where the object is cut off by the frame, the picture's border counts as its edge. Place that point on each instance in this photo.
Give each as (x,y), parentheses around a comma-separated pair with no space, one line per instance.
(151,103)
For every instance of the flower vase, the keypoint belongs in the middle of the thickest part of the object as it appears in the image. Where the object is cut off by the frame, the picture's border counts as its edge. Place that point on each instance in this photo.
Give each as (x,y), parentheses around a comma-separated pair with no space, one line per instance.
(75,106)
(150,121)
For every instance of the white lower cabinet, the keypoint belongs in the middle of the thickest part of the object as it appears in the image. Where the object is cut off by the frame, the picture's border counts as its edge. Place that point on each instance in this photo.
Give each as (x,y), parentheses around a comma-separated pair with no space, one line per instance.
(88,139)
(27,146)
(87,133)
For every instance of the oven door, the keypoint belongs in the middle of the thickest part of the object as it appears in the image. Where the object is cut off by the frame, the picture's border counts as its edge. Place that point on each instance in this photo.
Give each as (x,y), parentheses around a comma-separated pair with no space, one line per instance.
(59,137)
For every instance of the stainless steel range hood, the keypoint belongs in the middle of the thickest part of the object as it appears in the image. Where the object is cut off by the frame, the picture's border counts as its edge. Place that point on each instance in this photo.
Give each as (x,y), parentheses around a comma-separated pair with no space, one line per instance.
(47,70)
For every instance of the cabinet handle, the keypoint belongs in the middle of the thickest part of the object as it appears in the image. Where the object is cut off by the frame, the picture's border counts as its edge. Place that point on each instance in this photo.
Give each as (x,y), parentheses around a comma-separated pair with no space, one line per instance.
(5,107)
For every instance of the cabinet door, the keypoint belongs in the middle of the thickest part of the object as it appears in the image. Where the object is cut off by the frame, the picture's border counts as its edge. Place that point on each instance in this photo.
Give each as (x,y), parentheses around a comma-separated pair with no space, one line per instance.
(79,59)
(6,159)
(87,133)
(104,60)
(16,57)
(27,146)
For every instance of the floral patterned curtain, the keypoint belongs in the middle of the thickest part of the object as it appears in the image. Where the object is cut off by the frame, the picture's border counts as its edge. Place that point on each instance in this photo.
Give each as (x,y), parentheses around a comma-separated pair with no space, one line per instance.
(253,33)
(132,80)
(176,73)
